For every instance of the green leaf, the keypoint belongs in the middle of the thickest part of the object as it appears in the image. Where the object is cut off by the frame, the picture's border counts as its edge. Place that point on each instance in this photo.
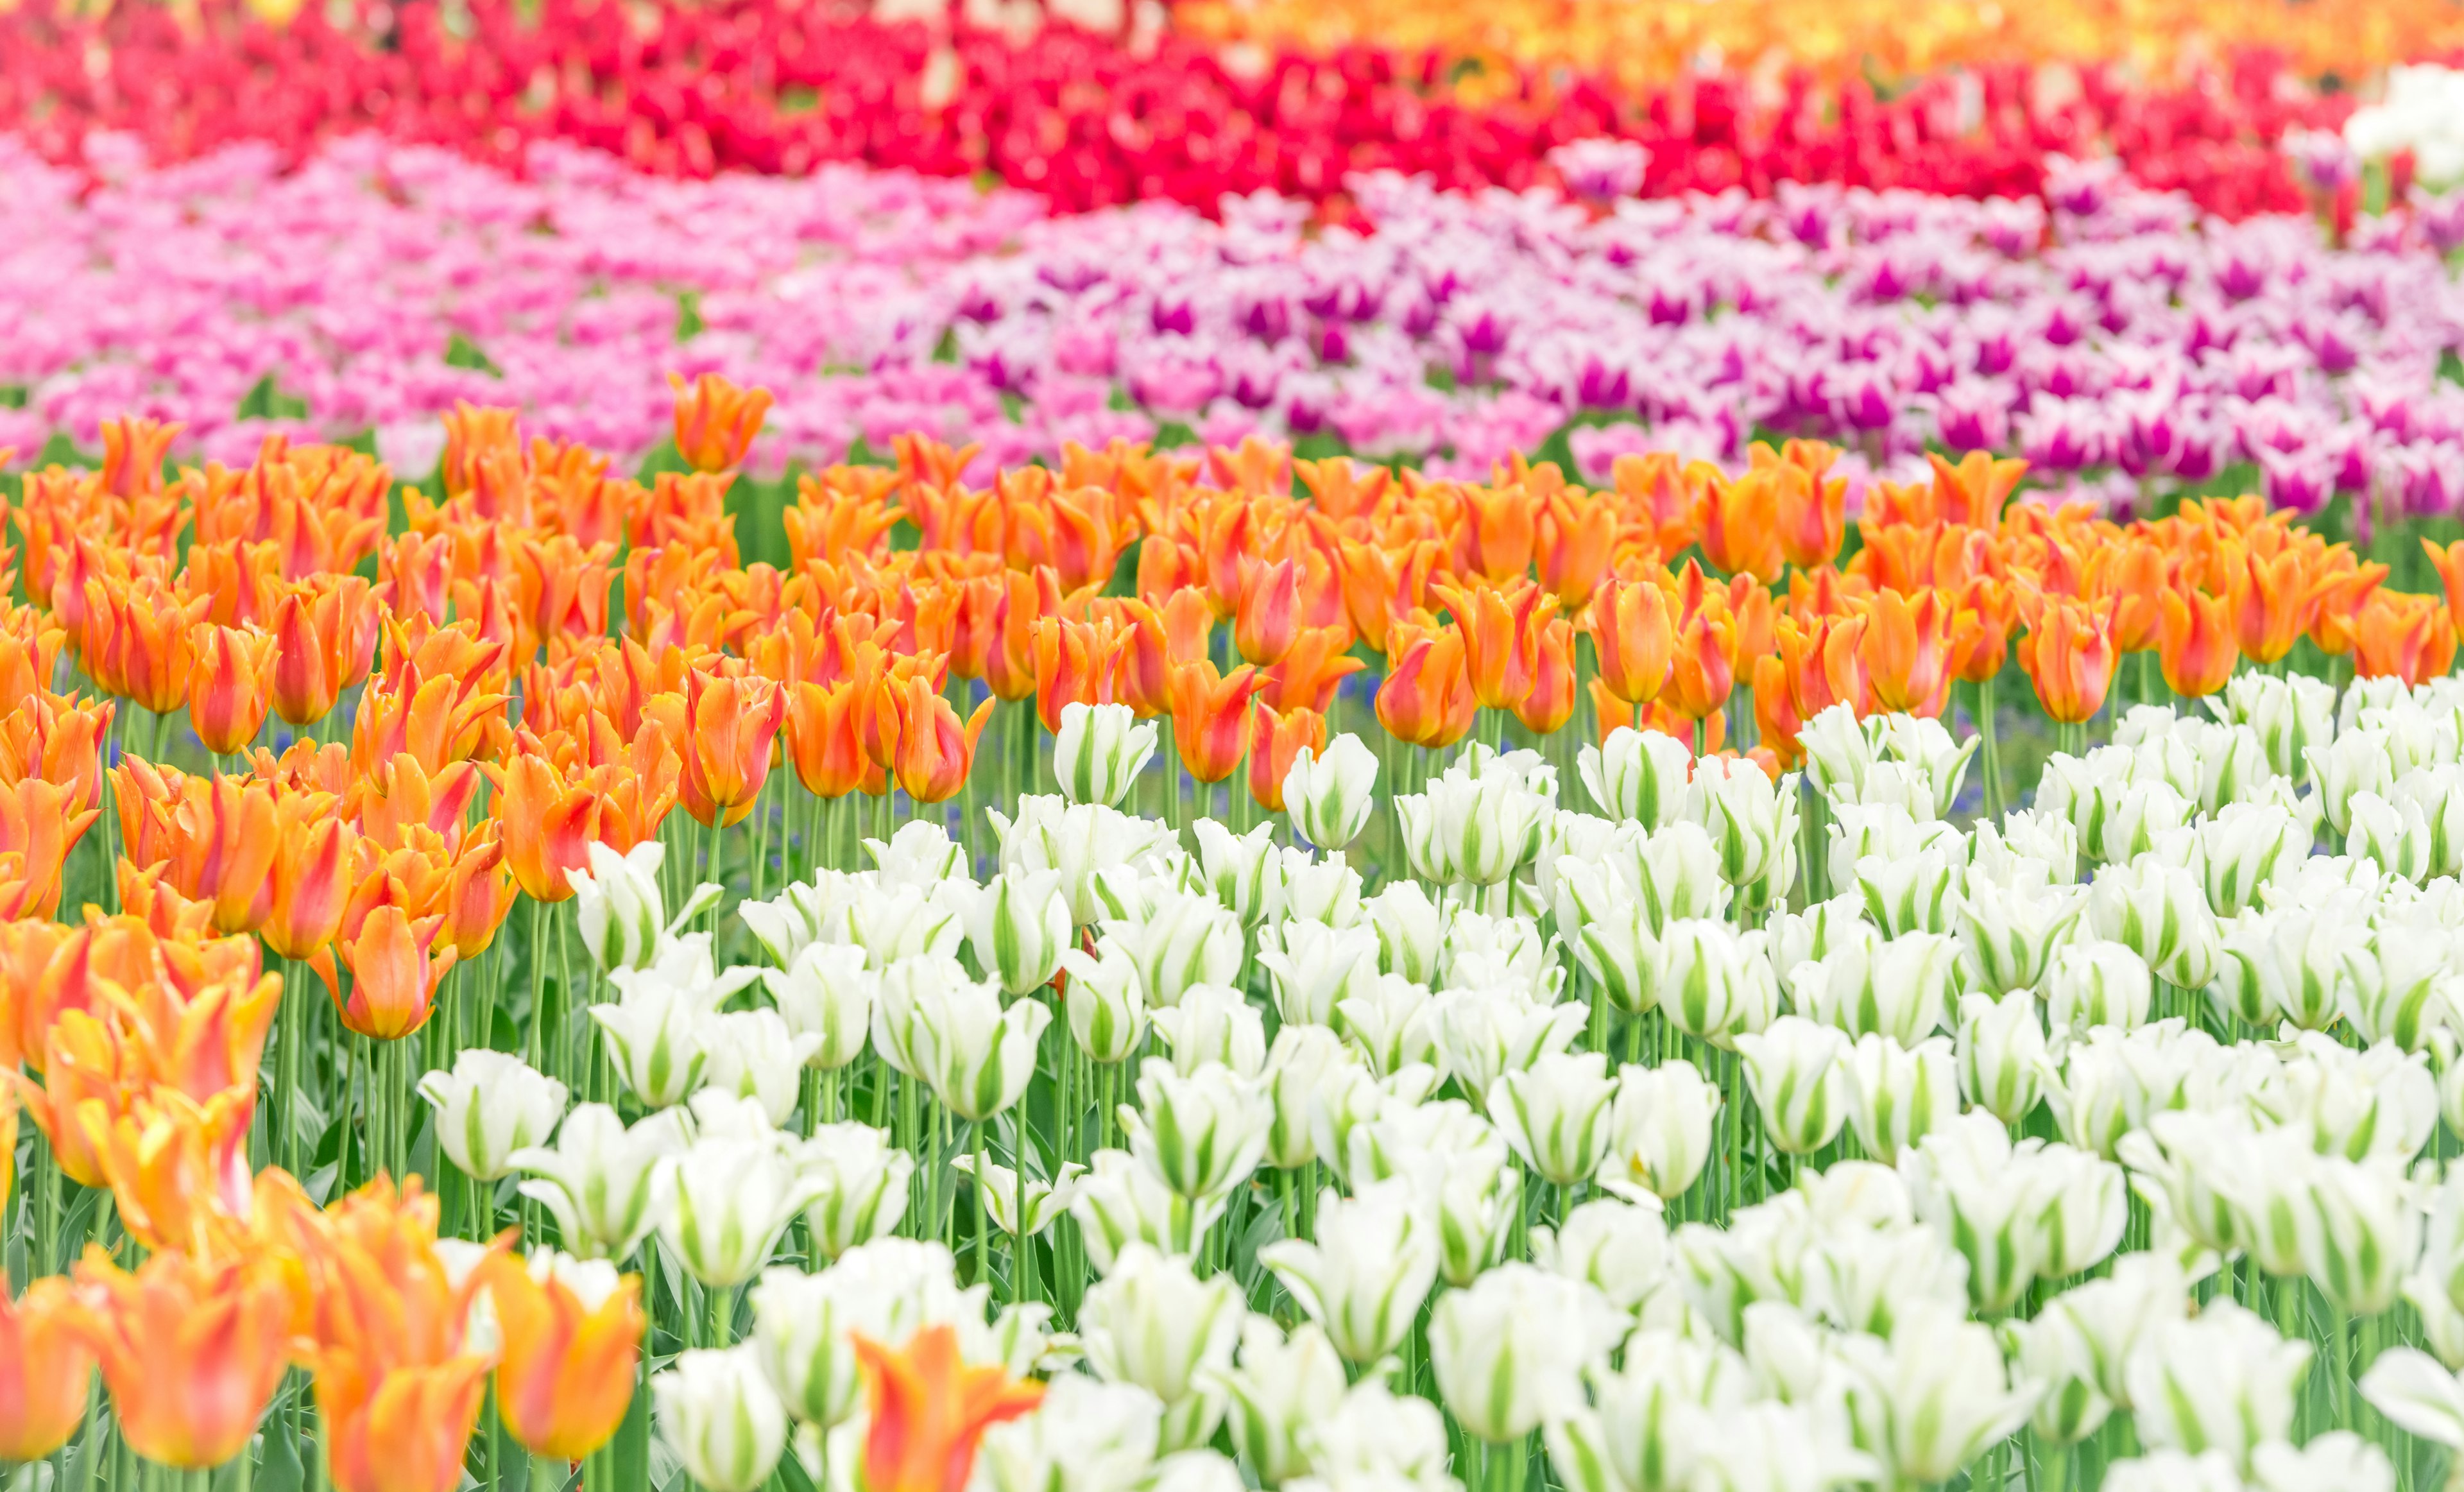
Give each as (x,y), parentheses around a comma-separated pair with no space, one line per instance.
(463,353)
(688,322)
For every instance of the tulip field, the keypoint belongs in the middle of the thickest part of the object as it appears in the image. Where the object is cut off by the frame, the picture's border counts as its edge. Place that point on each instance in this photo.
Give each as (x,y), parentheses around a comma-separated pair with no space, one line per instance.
(1116,746)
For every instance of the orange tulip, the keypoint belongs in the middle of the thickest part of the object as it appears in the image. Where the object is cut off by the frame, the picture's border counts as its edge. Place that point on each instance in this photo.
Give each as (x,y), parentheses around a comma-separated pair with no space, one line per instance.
(717,421)
(59,740)
(2408,636)
(225,837)
(2068,654)
(1740,523)
(1317,664)
(1268,615)
(2274,599)
(2448,561)
(133,451)
(1550,702)
(547,820)
(479,896)
(399,1384)
(1704,668)
(1813,516)
(1973,492)
(138,641)
(929,1410)
(393,974)
(1574,539)
(565,1375)
(2197,651)
(1075,663)
(2345,591)
(202,1040)
(934,750)
(1427,699)
(38,827)
(1632,636)
(1275,739)
(45,1366)
(191,1348)
(1980,629)
(177,1168)
(1501,637)
(1210,712)
(726,731)
(1817,665)
(1499,532)
(231,687)
(823,745)
(1906,651)
(88,1068)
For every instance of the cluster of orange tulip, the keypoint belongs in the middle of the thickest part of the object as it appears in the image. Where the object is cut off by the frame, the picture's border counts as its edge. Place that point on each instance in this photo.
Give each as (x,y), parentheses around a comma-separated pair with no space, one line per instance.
(548,656)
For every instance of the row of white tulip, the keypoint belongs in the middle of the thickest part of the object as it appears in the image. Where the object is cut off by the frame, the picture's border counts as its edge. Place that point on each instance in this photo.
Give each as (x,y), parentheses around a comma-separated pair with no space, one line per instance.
(1946,1147)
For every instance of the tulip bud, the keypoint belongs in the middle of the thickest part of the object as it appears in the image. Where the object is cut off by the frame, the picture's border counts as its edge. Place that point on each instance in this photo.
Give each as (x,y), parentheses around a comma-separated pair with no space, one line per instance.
(1411,929)
(1798,1072)
(1363,1277)
(607,1186)
(720,1416)
(1618,1248)
(1214,1026)
(827,993)
(2223,1380)
(1393,1024)
(1106,1002)
(2096,983)
(1100,751)
(1555,1114)
(1637,777)
(1899,988)
(1202,1134)
(858,1185)
(491,1106)
(1329,797)
(1511,1351)
(2001,1051)
(1154,1323)
(1187,939)
(999,1188)
(982,1056)
(1752,824)
(1484,1033)
(1716,982)
(1123,1202)
(1661,1129)
(1097,1436)
(1301,1059)
(1281,1388)
(658,1040)
(2161,914)
(1898,1095)
(1019,926)
(620,909)
(1312,968)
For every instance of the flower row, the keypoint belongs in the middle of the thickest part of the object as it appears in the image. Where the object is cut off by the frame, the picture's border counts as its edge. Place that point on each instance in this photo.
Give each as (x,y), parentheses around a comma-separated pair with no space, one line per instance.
(2109,339)
(1088,121)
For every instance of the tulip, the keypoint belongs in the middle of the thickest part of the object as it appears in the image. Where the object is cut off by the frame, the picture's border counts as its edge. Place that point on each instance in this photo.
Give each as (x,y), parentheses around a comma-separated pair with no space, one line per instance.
(1098,1437)
(1751,822)
(859,1183)
(1392,1024)
(935,749)
(1187,938)
(1556,1115)
(2001,1052)
(1486,1033)
(2068,653)
(1279,1391)
(394,977)
(571,1331)
(753,1054)
(1122,1201)
(1269,612)
(1511,1351)
(1203,1133)
(607,1186)
(717,421)
(1897,1095)
(1968,1186)
(2160,914)
(1798,1073)
(229,690)
(191,1350)
(1660,1129)
(1243,870)
(1099,752)
(1209,716)
(1329,793)
(46,1365)
(1703,671)
(1427,697)
(929,1413)
(2094,983)
(1106,1002)
(1276,741)
(1938,1396)
(1214,1026)
(982,1056)
(658,1039)
(620,909)
(826,992)
(1002,1192)
(2198,650)
(803,1330)
(1716,982)
(2224,1381)
(491,1106)
(1471,828)
(1364,1276)
(724,731)
(1019,926)
(1637,775)
(733,1198)
(1151,1322)
(1906,652)
(721,1417)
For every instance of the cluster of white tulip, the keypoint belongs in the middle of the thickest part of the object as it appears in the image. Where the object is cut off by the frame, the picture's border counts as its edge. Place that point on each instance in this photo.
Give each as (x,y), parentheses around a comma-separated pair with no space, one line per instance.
(1947,1156)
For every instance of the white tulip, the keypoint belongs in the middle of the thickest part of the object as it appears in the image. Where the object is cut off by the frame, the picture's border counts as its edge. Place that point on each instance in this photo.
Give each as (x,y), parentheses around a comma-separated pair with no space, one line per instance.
(1839,751)
(1484,1033)
(1312,968)
(1152,1322)
(720,1416)
(1797,1071)
(1076,840)
(828,992)
(1555,1114)
(1637,777)
(1214,1026)
(2360,1231)
(1646,1432)
(2001,1050)
(1897,1095)
(1245,872)
(1676,871)
(2336,1461)
(1716,982)
(1612,937)
(1661,1129)
(1913,894)
(2029,851)
(2097,983)
(2245,846)
(1394,1025)
(1364,1276)
(1188,938)
(1376,1438)
(1282,1386)
(892,923)
(1086,1437)
(2392,833)
(982,1056)
(1330,798)
(490,1106)
(2287,966)
(1472,827)
(1325,892)
(1617,1247)
(607,1186)
(859,1181)
(1203,1133)
(1510,1352)
(1967,1183)
(2417,1395)
(1482,951)
(1121,1200)
(619,908)
(1751,822)
(1936,1394)
(1019,924)
(1899,989)
(1106,1000)
(753,1054)
(1298,1067)
(803,1330)
(734,1198)
(2161,914)
(1100,751)
(2010,934)
(920,854)
(2222,1381)
(2353,763)
(2290,715)
(657,1040)
(1411,929)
